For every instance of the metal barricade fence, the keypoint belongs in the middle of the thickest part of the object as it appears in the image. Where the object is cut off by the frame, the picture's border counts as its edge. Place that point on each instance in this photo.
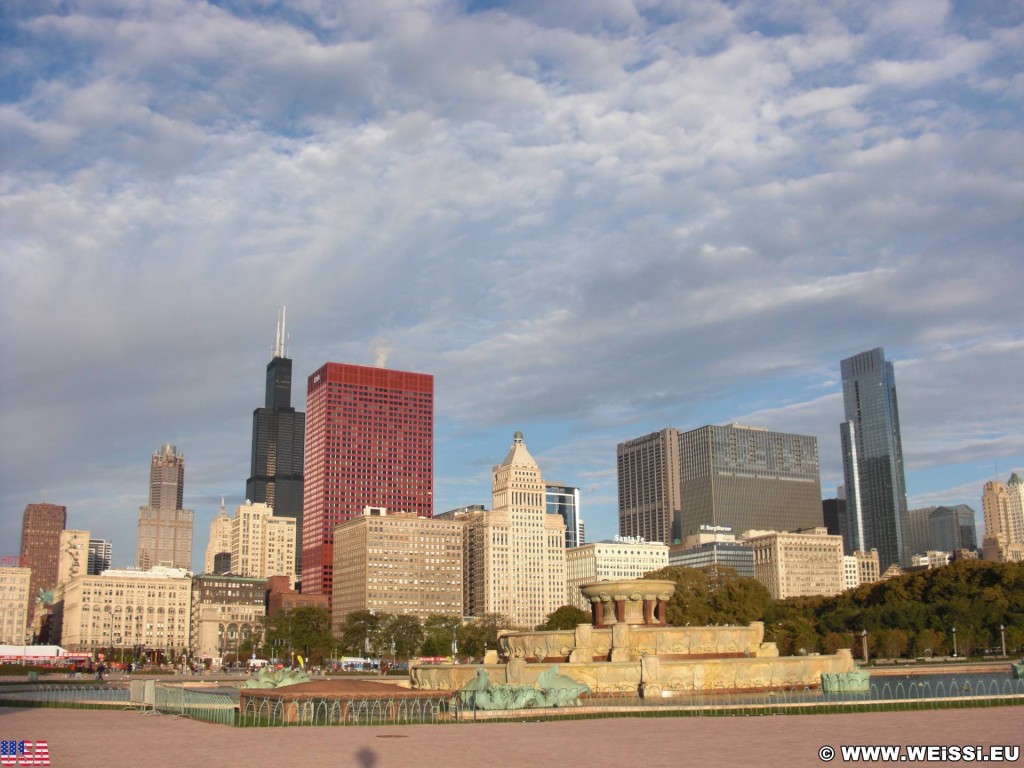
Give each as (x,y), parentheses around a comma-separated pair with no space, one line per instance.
(886,693)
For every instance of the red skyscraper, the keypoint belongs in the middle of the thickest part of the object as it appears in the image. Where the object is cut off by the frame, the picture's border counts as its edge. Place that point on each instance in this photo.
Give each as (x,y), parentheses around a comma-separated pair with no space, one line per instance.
(369,443)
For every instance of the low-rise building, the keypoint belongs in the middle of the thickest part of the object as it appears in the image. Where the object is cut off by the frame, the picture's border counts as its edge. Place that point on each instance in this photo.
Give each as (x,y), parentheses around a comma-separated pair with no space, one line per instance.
(713,545)
(623,558)
(798,564)
(14,603)
(128,609)
(227,614)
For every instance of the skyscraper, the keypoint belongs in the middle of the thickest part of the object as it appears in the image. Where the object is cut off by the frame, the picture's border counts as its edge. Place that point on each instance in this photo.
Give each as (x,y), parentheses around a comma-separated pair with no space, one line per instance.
(165,529)
(41,526)
(100,553)
(369,443)
(514,554)
(649,504)
(564,501)
(748,478)
(278,434)
(219,542)
(672,484)
(1002,506)
(876,494)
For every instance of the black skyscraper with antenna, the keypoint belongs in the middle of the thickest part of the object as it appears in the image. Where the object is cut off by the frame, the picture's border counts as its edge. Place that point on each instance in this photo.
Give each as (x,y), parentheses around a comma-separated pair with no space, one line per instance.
(278,435)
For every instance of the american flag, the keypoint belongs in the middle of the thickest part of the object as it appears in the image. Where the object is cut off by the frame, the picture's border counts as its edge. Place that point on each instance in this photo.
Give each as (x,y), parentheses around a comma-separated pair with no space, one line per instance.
(24,753)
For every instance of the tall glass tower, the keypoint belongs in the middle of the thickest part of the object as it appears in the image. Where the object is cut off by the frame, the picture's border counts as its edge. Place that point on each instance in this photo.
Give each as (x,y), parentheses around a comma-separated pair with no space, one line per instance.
(278,436)
(876,492)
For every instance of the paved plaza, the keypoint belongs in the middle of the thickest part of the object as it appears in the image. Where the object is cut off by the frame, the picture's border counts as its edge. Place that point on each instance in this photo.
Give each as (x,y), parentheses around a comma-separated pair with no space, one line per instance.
(112,739)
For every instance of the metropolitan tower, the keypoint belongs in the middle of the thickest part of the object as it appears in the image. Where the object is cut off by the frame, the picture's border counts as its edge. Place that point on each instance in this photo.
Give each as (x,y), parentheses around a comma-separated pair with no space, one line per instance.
(278,435)
(876,493)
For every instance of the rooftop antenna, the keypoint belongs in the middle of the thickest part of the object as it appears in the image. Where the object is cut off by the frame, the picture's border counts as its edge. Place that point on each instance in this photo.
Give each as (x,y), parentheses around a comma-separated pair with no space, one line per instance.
(281,339)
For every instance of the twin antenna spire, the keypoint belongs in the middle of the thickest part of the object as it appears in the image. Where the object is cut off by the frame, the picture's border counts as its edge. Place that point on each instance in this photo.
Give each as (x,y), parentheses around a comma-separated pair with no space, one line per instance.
(281,341)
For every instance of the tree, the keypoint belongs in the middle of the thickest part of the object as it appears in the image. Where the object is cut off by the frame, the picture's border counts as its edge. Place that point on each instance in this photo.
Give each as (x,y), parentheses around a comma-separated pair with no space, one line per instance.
(482,634)
(566,617)
(305,630)
(402,635)
(357,631)
(438,632)
(715,595)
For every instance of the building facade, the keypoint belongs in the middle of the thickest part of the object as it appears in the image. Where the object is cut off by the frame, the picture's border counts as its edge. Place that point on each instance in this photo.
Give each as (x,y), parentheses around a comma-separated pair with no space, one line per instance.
(609,561)
(369,443)
(165,529)
(649,494)
(798,564)
(227,613)
(74,556)
(876,493)
(128,610)
(1003,511)
(14,605)
(917,530)
(564,501)
(278,443)
(100,554)
(397,563)
(262,544)
(41,526)
(952,529)
(514,553)
(748,478)
(219,542)
(713,546)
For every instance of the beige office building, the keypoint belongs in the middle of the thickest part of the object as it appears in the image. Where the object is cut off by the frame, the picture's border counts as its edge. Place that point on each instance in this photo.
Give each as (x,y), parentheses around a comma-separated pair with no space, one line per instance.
(14,604)
(515,553)
(397,563)
(798,564)
(220,538)
(623,558)
(1003,510)
(122,609)
(262,545)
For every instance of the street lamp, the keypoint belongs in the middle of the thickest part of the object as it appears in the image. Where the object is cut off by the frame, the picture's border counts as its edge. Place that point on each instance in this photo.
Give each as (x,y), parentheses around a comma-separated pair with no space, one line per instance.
(954,642)
(864,644)
(1002,637)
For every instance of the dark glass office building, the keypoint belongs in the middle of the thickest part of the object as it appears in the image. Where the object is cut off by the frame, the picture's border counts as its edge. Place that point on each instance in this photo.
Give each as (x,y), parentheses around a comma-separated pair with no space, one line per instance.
(564,501)
(876,495)
(748,478)
(278,437)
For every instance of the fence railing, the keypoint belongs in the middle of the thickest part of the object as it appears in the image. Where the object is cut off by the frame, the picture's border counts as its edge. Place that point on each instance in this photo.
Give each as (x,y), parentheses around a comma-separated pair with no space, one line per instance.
(282,709)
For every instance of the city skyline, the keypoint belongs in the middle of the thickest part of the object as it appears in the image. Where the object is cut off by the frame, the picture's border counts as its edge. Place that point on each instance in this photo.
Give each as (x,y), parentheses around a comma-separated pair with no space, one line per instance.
(587,221)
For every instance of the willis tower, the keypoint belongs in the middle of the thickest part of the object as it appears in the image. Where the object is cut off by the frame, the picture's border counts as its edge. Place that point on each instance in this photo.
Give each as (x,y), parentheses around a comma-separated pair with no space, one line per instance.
(278,436)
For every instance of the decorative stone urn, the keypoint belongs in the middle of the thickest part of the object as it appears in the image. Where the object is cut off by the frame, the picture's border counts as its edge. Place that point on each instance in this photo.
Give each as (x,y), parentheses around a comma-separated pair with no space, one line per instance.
(633,602)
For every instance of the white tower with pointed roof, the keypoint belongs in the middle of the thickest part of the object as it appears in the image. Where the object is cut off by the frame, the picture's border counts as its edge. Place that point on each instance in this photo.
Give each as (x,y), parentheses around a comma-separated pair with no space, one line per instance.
(516,551)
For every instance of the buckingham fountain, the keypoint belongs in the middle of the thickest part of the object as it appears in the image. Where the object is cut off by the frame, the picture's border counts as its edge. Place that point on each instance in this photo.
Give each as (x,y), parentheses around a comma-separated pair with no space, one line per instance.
(628,649)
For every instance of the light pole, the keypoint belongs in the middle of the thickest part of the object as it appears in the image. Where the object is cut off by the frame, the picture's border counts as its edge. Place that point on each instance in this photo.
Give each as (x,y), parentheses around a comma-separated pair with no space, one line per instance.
(864,644)
(954,642)
(1002,638)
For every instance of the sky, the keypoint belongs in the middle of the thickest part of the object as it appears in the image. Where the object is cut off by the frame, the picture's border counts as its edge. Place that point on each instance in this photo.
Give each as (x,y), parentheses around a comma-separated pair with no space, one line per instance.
(589,220)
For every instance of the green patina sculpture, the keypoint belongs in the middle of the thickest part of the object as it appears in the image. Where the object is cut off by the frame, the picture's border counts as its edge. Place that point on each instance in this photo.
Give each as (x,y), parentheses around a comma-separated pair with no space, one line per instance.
(854,681)
(551,690)
(277,678)
(1018,669)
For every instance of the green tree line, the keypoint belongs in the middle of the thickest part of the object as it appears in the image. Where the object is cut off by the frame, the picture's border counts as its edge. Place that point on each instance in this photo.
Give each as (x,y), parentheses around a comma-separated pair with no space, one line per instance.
(908,616)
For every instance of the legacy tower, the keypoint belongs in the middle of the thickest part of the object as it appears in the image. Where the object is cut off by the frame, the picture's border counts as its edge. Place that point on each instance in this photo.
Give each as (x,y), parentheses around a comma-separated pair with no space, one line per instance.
(278,434)
(369,443)
(876,494)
